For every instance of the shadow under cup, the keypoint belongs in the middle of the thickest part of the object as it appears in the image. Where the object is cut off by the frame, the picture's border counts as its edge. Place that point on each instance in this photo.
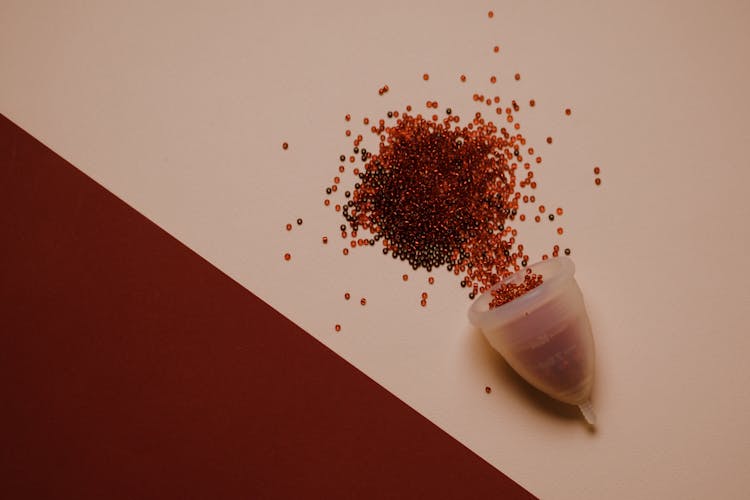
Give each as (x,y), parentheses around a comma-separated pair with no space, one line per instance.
(545,334)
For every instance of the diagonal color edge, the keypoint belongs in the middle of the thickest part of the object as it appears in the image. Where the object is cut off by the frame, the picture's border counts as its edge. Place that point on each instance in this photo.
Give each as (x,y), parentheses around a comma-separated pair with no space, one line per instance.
(132,368)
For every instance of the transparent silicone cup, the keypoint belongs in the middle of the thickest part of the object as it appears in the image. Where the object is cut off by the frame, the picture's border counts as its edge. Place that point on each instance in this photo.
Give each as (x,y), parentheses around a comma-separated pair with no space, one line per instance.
(545,334)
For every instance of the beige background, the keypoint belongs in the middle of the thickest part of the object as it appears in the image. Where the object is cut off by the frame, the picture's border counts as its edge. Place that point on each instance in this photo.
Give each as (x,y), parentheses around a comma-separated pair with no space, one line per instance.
(180,109)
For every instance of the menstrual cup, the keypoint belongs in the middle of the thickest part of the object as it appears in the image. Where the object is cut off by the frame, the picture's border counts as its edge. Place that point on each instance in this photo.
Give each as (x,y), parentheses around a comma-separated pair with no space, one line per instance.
(544,334)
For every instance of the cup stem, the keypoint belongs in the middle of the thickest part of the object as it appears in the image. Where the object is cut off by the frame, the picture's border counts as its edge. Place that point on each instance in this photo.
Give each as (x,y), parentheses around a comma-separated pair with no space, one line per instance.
(588,412)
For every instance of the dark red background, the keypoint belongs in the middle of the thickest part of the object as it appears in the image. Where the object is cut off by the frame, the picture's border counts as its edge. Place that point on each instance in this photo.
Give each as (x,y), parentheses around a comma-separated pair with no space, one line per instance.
(132,368)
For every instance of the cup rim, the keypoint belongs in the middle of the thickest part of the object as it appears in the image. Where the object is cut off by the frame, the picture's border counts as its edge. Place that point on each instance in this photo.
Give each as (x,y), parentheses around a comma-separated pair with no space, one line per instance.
(558,269)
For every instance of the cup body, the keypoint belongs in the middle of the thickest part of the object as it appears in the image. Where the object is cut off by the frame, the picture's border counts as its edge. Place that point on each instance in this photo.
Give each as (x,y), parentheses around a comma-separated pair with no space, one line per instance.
(545,334)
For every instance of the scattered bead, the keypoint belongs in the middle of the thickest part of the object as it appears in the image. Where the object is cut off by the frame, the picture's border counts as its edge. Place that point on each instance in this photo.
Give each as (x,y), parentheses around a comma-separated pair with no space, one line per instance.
(466,228)
(509,291)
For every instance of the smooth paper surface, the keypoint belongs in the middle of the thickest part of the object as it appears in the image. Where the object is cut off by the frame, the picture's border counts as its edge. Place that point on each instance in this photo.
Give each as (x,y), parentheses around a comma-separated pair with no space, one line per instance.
(181,109)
